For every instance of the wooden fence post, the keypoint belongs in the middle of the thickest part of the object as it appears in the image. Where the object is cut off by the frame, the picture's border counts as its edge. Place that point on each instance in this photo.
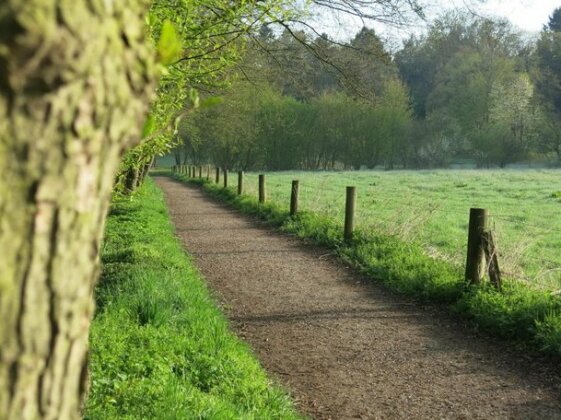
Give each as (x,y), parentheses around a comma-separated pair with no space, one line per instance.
(350,206)
(240,182)
(208,172)
(475,262)
(262,191)
(200,172)
(294,197)
(492,259)
(225,176)
(217,177)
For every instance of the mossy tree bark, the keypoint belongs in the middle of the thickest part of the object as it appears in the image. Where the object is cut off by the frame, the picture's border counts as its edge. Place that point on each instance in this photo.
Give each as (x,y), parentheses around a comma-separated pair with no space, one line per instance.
(75,80)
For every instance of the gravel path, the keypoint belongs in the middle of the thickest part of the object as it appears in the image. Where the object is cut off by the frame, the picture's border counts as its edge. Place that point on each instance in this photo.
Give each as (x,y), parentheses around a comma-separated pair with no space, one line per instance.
(344,347)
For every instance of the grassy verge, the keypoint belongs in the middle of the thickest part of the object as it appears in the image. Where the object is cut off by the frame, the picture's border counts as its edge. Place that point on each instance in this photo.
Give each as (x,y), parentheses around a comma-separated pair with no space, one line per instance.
(159,346)
(519,313)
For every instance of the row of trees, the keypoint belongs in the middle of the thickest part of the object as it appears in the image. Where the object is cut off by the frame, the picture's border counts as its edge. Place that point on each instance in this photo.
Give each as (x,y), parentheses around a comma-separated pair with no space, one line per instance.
(470,88)
(77,81)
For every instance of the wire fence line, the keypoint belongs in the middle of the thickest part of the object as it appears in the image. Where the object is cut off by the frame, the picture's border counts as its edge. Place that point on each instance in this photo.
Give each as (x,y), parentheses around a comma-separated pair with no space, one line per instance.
(413,221)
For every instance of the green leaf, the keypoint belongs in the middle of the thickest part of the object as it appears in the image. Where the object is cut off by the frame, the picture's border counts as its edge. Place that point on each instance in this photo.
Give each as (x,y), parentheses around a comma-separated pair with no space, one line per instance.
(149,126)
(194,98)
(169,46)
(212,101)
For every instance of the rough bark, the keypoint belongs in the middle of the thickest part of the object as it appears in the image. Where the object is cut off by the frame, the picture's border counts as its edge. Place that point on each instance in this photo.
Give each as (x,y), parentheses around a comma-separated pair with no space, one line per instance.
(75,77)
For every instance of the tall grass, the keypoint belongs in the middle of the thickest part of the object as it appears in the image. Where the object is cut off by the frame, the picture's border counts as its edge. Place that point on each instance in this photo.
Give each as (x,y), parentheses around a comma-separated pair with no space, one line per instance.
(160,349)
(526,314)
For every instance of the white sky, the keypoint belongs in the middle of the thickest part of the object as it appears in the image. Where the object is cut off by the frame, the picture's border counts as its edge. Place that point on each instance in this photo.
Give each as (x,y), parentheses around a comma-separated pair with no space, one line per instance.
(527,15)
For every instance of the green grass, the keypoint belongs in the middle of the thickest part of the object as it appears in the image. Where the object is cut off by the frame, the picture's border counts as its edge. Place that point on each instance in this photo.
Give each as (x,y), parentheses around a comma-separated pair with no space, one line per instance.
(431,208)
(160,348)
(528,315)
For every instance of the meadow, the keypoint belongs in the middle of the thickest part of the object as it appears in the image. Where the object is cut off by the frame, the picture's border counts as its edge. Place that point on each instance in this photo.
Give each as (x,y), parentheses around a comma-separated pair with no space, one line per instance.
(431,208)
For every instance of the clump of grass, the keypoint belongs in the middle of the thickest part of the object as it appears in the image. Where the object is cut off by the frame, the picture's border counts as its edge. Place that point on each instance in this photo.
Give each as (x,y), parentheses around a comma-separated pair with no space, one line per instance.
(520,313)
(159,346)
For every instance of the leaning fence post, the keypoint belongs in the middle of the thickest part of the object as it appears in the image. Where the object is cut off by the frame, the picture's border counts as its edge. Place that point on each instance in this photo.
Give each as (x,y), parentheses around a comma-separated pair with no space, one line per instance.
(217,176)
(262,191)
(294,198)
(475,262)
(240,182)
(225,175)
(350,205)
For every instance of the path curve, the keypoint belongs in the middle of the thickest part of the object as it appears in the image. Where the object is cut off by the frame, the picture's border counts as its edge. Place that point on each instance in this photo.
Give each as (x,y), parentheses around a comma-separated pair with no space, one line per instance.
(346,348)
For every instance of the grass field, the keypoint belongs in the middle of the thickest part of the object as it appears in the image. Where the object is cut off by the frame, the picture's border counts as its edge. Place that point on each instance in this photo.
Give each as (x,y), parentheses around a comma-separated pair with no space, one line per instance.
(432,208)
(160,348)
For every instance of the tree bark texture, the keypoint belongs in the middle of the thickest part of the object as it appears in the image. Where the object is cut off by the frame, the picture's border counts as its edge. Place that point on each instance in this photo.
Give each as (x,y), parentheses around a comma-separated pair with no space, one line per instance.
(75,81)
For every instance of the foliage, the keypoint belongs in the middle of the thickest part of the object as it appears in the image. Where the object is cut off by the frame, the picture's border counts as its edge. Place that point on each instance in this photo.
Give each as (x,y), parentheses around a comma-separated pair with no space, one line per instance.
(463,89)
(257,127)
(198,43)
(159,346)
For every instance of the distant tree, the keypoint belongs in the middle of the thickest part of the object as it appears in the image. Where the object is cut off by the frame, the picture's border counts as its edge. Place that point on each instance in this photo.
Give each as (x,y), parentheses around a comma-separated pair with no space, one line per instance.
(513,118)
(554,22)
(548,76)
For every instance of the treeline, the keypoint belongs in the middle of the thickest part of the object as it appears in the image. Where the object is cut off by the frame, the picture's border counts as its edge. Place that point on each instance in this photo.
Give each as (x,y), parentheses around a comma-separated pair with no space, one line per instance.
(470,88)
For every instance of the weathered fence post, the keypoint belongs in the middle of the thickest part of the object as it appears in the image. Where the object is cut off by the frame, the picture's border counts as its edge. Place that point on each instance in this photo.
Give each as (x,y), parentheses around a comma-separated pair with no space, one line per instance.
(217,176)
(200,172)
(240,182)
(294,197)
(208,172)
(262,191)
(350,205)
(225,176)
(475,263)
(492,258)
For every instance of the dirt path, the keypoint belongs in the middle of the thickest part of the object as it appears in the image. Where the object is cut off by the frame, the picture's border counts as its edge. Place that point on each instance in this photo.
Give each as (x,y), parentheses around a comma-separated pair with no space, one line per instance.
(346,348)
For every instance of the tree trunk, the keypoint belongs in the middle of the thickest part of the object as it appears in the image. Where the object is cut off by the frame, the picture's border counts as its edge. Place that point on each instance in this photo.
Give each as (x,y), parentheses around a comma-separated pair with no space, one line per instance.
(75,80)
(131,179)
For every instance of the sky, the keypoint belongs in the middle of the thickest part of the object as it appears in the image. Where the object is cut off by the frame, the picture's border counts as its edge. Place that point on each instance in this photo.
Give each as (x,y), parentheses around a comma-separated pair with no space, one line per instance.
(527,15)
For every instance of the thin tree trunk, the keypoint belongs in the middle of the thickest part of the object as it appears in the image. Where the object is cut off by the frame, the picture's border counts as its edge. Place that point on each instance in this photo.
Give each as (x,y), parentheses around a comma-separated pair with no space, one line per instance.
(131,178)
(74,86)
